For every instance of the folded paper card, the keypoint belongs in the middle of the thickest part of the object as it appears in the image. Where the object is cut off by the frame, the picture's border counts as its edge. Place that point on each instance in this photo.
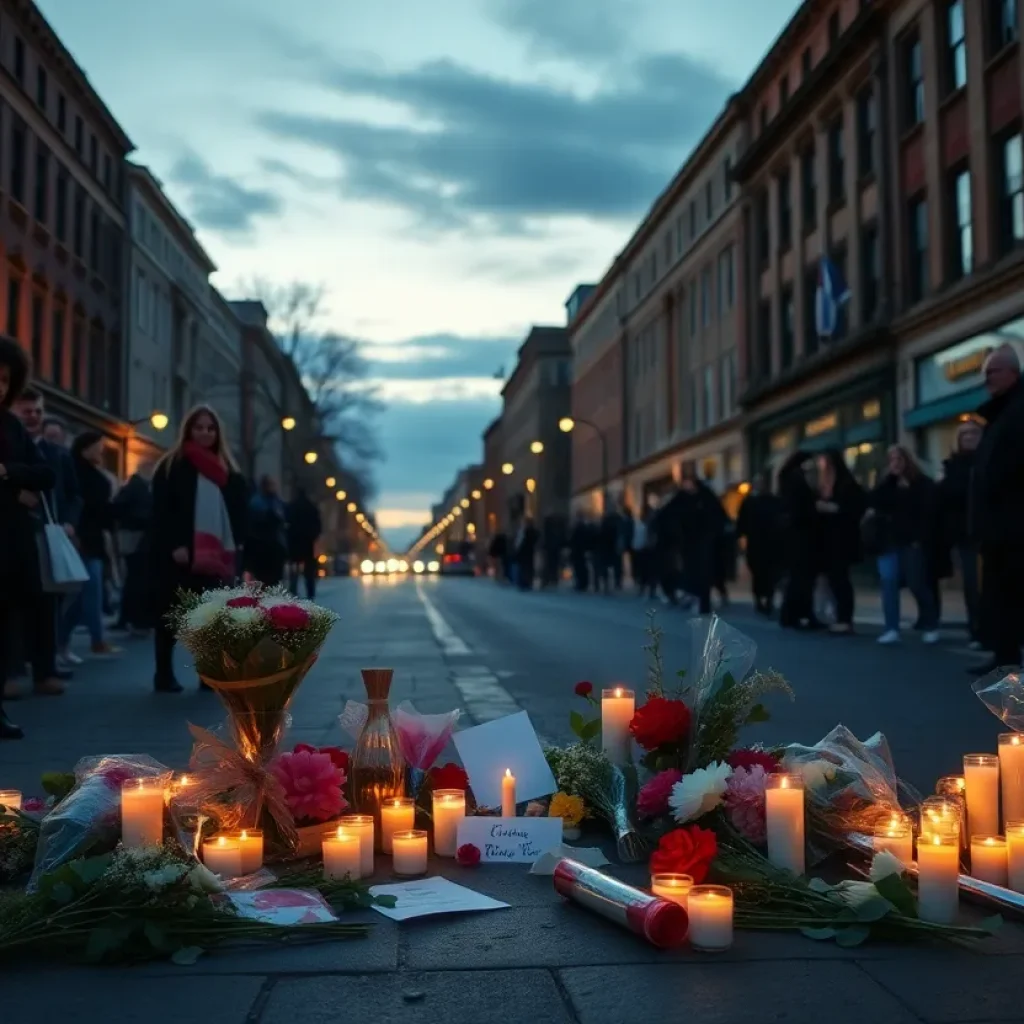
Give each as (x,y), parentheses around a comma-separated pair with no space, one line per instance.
(508,743)
(285,907)
(511,840)
(432,896)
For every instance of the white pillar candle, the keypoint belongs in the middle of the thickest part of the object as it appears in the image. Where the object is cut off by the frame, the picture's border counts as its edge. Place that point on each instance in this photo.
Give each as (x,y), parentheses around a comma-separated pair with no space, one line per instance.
(954,787)
(449,810)
(142,812)
(397,814)
(342,850)
(223,856)
(938,876)
(981,773)
(508,794)
(710,910)
(989,859)
(10,799)
(671,886)
(409,852)
(1011,775)
(897,840)
(1015,855)
(362,826)
(784,813)
(617,708)
(250,840)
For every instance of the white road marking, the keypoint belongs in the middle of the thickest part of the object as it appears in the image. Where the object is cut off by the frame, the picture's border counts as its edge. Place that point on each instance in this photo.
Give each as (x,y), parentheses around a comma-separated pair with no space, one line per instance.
(446,637)
(483,696)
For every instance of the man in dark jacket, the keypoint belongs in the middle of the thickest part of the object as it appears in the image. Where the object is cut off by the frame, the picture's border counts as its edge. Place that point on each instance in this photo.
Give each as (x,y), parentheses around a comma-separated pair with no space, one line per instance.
(304,529)
(996,509)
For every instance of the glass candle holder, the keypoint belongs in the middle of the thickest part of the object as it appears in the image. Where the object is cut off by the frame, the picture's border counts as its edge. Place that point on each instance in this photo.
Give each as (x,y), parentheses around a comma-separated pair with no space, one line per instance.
(342,853)
(1011,775)
(409,852)
(710,908)
(981,773)
(941,814)
(618,706)
(1015,855)
(989,859)
(938,876)
(142,811)
(954,787)
(10,799)
(250,842)
(672,886)
(361,825)
(449,810)
(396,815)
(784,817)
(895,839)
(223,856)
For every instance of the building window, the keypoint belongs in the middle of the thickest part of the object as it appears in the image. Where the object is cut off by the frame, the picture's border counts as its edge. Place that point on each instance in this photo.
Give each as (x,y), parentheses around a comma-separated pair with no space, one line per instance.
(94,155)
(811,310)
(787,325)
(61,205)
(41,84)
(1010,164)
(709,201)
(78,225)
(870,272)
(693,310)
(783,91)
(19,60)
(764,119)
(726,279)
(19,145)
(727,179)
(57,347)
(805,63)
(708,402)
(833,28)
(1002,24)
(836,163)
(866,131)
(108,173)
(785,211)
(764,338)
(693,219)
(956,46)
(913,71)
(694,403)
(705,297)
(917,247)
(962,249)
(62,112)
(77,345)
(809,187)
(763,228)
(42,184)
(94,240)
(79,135)
(727,383)
(97,367)
(13,306)
(37,329)
(839,260)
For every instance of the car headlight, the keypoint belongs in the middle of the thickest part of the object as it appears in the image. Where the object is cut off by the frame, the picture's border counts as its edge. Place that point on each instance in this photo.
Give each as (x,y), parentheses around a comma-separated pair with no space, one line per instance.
(381,567)
(366,567)
(418,566)
(433,567)
(403,565)
(392,565)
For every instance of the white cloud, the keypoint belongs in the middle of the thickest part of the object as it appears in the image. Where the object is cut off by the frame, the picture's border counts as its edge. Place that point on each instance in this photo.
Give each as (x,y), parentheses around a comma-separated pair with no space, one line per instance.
(443,389)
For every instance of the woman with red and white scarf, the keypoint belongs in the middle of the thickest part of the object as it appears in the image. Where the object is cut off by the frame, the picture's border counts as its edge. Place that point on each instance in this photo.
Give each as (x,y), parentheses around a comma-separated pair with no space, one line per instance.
(199,500)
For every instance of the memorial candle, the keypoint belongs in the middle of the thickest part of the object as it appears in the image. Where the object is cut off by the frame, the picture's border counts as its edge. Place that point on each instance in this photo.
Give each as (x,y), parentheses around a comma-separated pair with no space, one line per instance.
(1015,855)
(981,773)
(671,886)
(449,810)
(784,814)
(710,910)
(409,852)
(250,841)
(508,794)
(223,856)
(896,839)
(1011,775)
(954,787)
(617,708)
(989,859)
(938,876)
(342,851)
(142,811)
(361,825)
(11,799)
(397,814)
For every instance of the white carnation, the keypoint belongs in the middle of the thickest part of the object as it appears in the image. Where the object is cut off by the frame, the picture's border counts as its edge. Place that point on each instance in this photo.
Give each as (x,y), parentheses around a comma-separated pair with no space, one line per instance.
(816,774)
(202,879)
(219,598)
(161,878)
(244,617)
(699,792)
(884,864)
(202,616)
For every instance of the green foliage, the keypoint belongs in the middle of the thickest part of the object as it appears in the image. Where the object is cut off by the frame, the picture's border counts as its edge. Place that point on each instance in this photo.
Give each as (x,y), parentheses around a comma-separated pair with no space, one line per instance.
(57,784)
(586,731)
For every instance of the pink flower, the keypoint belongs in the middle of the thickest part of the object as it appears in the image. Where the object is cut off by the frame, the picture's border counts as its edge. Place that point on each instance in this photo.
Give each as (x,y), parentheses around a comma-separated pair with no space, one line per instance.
(243,602)
(34,805)
(287,616)
(652,801)
(745,803)
(312,785)
(115,776)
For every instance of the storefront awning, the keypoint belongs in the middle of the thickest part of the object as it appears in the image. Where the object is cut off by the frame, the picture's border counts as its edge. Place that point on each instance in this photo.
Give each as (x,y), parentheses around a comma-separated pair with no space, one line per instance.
(945,408)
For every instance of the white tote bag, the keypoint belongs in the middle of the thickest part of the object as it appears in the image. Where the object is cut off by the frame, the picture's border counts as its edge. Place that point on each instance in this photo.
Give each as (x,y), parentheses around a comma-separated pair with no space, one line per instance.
(61,566)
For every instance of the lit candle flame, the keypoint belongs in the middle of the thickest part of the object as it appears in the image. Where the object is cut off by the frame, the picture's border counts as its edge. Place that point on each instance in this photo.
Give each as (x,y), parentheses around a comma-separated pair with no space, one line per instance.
(244,836)
(341,832)
(221,841)
(618,691)
(508,773)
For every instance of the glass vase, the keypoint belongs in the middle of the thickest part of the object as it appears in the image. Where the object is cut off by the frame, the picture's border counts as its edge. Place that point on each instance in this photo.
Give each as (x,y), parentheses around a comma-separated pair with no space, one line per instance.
(378,768)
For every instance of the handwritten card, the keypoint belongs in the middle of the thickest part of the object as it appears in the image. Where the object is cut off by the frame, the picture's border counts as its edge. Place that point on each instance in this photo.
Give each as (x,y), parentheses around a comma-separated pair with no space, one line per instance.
(432,896)
(510,742)
(511,840)
(284,907)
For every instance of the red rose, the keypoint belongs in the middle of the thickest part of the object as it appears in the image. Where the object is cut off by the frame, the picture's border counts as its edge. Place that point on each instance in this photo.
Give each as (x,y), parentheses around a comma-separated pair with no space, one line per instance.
(660,721)
(449,776)
(339,758)
(749,758)
(287,616)
(243,602)
(304,748)
(584,689)
(468,855)
(686,851)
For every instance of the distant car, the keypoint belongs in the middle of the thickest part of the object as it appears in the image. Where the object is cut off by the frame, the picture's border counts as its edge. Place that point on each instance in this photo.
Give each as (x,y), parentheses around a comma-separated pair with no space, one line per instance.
(458,559)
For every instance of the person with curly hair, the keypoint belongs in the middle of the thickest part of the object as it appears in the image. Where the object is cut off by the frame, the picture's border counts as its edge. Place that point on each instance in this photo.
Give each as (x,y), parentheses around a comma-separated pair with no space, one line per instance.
(23,472)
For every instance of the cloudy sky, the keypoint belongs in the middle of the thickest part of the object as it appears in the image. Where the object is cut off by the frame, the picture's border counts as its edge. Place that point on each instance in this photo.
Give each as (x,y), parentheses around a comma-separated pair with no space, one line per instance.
(448,170)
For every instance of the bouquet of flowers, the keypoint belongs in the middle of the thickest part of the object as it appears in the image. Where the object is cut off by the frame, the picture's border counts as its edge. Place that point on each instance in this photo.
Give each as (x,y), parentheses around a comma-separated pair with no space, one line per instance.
(253,646)
(313,782)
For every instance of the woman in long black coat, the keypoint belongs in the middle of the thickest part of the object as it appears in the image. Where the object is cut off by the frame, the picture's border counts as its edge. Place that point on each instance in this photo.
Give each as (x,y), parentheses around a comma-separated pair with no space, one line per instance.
(22,468)
(196,479)
(802,544)
(841,503)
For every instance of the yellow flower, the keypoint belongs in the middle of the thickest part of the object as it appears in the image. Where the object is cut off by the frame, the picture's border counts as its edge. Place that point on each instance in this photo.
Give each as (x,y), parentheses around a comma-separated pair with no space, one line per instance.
(569,808)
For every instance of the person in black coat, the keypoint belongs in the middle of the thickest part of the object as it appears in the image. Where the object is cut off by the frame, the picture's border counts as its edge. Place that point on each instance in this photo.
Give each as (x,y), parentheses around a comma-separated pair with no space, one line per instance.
(801,544)
(133,514)
(22,471)
(200,456)
(997,509)
(840,504)
(304,529)
(759,523)
(702,522)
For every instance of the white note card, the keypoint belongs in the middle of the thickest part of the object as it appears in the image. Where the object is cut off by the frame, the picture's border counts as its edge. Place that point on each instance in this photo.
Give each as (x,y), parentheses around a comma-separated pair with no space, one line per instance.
(511,840)
(506,743)
(429,896)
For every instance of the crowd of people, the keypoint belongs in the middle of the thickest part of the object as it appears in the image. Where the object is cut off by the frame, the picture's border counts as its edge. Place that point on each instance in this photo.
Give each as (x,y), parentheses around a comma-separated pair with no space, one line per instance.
(190,520)
(806,532)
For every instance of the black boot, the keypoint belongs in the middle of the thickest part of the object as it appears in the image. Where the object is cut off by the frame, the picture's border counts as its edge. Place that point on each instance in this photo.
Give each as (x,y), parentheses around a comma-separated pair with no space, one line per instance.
(8,730)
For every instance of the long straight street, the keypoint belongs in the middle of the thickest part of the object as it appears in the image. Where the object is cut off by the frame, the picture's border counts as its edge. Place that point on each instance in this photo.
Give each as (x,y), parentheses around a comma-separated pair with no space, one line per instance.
(491,650)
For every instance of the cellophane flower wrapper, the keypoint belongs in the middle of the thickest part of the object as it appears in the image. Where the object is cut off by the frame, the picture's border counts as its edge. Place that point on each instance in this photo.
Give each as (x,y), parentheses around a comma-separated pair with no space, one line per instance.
(850,787)
(421,739)
(90,815)
(1003,694)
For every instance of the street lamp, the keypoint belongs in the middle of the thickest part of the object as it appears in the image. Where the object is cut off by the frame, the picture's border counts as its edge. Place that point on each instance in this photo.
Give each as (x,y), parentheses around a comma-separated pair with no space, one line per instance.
(288,423)
(311,457)
(331,481)
(464,503)
(351,506)
(360,517)
(508,469)
(488,484)
(537,447)
(340,495)
(531,485)
(157,420)
(567,425)
(476,495)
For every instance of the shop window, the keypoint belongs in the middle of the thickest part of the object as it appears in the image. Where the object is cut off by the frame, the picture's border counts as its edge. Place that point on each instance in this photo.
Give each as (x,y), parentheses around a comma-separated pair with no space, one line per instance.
(961,256)
(809,186)
(1002,20)
(866,131)
(956,47)
(785,211)
(836,162)
(1010,174)
(870,272)
(913,81)
(787,326)
(917,248)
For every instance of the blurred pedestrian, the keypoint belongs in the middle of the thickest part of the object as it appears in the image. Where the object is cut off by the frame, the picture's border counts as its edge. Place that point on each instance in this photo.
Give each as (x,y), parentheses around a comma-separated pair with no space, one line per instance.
(702,526)
(759,523)
(266,543)
(133,517)
(304,529)
(840,504)
(801,544)
(525,553)
(581,538)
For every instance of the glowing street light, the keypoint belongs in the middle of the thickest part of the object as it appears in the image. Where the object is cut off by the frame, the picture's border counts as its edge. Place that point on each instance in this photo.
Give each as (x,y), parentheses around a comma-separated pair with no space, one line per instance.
(531,485)
(476,495)
(340,495)
(331,481)
(351,506)
(488,484)
(288,423)
(457,511)
(311,457)
(508,469)
(566,424)
(360,517)
(159,421)
(537,447)
(464,503)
